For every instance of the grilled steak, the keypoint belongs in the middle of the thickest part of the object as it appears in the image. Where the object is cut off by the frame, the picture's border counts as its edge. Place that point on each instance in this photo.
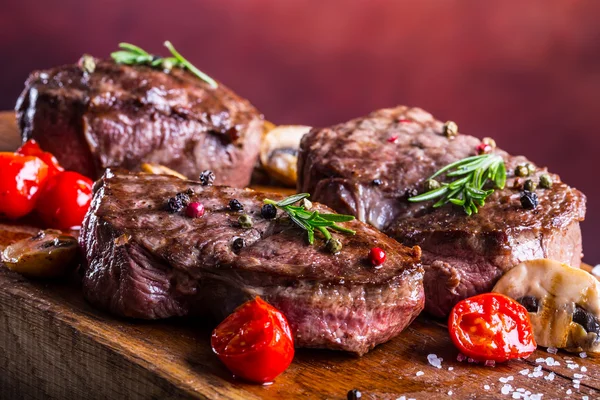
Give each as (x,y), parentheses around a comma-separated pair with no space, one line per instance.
(370,166)
(145,262)
(122,116)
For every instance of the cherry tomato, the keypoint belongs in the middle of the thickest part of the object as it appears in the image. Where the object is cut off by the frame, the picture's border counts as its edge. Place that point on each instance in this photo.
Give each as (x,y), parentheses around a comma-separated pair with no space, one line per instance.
(491,326)
(255,342)
(31,148)
(20,180)
(64,200)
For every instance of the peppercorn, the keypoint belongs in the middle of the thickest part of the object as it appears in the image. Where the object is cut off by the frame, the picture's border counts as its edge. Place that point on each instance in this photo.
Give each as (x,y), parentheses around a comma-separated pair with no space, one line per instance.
(483,148)
(334,245)
(194,210)
(87,63)
(307,204)
(207,177)
(235,205)
(530,168)
(522,170)
(189,192)
(238,243)
(377,256)
(530,185)
(245,221)
(431,184)
(489,141)
(176,204)
(377,182)
(411,192)
(268,211)
(450,129)
(546,181)
(354,394)
(529,200)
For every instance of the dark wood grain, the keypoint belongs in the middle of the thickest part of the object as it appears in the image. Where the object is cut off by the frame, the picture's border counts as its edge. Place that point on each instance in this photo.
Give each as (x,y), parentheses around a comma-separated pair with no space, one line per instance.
(55,345)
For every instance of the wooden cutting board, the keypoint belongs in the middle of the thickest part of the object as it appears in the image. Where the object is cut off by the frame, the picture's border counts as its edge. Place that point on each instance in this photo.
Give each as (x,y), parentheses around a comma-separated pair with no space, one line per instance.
(55,345)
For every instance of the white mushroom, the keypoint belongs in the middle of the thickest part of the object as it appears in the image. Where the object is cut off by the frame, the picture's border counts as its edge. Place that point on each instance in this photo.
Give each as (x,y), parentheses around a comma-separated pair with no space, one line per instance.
(279,152)
(563,303)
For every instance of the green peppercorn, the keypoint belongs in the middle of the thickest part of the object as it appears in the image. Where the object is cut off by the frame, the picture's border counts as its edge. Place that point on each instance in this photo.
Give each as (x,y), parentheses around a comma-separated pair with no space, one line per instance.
(522,171)
(431,184)
(450,129)
(546,181)
(334,245)
(530,185)
(245,221)
(530,168)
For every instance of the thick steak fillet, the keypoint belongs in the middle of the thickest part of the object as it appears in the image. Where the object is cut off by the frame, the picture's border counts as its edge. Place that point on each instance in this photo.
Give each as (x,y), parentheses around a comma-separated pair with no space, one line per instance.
(145,262)
(354,168)
(122,116)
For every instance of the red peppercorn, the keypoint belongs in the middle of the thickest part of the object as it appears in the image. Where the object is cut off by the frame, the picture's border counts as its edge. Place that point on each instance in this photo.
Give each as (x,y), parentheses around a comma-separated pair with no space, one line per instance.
(392,139)
(483,148)
(377,256)
(404,120)
(194,210)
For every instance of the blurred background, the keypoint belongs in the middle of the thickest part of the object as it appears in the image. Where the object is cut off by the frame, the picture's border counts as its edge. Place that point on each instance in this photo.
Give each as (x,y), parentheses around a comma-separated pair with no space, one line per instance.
(524,73)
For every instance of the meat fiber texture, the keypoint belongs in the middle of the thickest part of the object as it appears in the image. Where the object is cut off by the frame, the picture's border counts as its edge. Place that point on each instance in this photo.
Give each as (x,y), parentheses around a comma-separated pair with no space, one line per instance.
(123,116)
(145,262)
(370,166)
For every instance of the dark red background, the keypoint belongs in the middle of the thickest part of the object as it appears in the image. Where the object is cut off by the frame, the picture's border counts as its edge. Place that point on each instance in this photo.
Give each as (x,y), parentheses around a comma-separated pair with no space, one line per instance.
(524,72)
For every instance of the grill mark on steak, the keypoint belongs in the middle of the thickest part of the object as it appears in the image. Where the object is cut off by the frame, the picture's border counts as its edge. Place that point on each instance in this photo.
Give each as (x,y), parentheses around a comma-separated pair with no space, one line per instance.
(462,256)
(122,116)
(172,265)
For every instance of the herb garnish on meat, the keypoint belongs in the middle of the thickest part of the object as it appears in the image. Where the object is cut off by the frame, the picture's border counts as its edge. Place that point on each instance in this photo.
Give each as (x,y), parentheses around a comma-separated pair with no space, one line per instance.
(134,55)
(311,221)
(467,191)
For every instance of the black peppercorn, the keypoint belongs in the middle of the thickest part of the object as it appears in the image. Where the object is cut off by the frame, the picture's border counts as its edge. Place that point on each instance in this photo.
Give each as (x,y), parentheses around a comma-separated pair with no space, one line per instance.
(529,200)
(189,192)
(176,204)
(354,394)
(207,177)
(238,243)
(235,205)
(268,211)
(377,182)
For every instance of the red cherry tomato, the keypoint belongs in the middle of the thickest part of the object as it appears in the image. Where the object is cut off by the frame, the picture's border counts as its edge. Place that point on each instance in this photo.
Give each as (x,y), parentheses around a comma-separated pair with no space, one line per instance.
(20,180)
(491,326)
(255,342)
(31,148)
(64,200)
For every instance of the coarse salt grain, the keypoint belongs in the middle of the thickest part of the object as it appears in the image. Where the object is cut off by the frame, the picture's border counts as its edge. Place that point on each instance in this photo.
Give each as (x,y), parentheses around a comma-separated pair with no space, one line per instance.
(537,396)
(461,357)
(572,366)
(524,371)
(450,368)
(538,368)
(584,398)
(576,386)
(552,350)
(540,360)
(449,392)
(583,369)
(576,381)
(583,354)
(435,361)
(578,376)
(537,374)
(549,377)
(490,363)
(486,387)
(569,391)
(506,389)
(419,373)
(549,361)
(516,395)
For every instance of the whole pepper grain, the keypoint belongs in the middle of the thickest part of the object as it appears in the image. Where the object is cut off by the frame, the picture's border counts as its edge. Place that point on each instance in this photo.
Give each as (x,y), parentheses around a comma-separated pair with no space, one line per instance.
(546,181)
(529,200)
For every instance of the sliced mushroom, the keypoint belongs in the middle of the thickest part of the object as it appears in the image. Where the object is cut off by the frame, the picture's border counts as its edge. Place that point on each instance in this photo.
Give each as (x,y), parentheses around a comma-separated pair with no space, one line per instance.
(48,254)
(279,152)
(563,303)
(158,169)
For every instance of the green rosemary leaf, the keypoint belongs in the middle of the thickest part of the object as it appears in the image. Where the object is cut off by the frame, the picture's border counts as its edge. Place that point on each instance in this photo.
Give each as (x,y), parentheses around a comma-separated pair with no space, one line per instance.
(337,217)
(131,48)
(190,66)
(429,195)
(293,199)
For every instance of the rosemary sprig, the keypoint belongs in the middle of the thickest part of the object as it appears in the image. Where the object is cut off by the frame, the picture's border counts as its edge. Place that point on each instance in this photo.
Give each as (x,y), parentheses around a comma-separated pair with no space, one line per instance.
(473,174)
(312,221)
(134,55)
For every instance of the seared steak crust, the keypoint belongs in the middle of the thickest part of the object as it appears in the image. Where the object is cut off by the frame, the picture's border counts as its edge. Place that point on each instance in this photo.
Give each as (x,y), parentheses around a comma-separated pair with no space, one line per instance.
(370,166)
(145,262)
(122,116)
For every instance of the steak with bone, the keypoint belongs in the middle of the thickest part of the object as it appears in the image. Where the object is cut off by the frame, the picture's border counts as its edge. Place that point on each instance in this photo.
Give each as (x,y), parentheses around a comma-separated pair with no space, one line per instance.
(370,166)
(146,262)
(123,116)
